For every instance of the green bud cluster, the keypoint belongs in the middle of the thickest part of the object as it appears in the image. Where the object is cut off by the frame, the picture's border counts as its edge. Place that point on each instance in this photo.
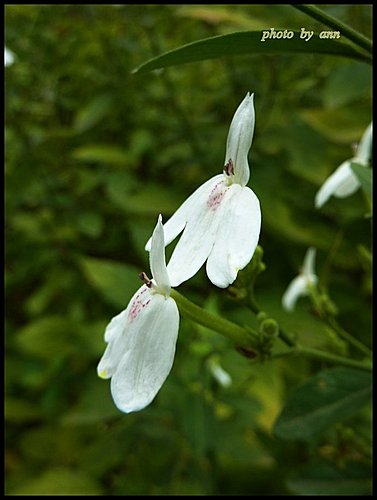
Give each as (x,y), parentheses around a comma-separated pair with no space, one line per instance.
(268,330)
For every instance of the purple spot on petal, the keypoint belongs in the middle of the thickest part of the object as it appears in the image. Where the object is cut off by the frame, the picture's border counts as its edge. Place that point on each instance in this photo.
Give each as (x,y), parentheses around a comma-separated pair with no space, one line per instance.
(139,303)
(216,196)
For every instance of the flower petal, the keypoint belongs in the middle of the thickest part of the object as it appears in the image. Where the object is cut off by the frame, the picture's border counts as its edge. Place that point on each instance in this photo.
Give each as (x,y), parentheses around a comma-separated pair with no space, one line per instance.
(198,238)
(239,139)
(341,183)
(157,259)
(149,355)
(117,331)
(364,148)
(296,288)
(308,266)
(178,220)
(237,236)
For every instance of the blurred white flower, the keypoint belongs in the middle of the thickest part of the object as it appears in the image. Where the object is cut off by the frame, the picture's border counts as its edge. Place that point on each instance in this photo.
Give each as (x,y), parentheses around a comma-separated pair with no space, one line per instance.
(8,57)
(221,220)
(142,338)
(219,374)
(343,182)
(301,284)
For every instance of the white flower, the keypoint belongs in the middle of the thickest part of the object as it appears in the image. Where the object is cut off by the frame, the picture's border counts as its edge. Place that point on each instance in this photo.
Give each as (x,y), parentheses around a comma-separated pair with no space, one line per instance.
(343,182)
(8,57)
(221,220)
(301,284)
(142,338)
(219,374)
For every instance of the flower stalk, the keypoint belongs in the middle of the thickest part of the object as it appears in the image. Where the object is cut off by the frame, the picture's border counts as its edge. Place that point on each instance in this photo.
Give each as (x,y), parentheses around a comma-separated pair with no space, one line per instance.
(315,354)
(235,333)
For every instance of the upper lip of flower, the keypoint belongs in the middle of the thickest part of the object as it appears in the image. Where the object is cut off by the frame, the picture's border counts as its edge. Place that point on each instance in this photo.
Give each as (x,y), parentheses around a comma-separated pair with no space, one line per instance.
(239,140)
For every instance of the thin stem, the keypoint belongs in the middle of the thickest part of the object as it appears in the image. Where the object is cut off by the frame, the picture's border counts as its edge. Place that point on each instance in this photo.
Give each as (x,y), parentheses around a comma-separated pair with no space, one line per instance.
(236,333)
(310,353)
(332,323)
(324,277)
(329,320)
(332,22)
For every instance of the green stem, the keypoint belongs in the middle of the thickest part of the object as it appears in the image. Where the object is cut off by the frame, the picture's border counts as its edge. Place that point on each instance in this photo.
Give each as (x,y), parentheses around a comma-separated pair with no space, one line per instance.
(332,22)
(236,333)
(329,320)
(245,338)
(347,336)
(311,353)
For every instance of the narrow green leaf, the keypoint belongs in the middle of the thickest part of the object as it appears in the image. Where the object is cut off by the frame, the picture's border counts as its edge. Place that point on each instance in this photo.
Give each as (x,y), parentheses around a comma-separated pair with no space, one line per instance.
(248,42)
(102,153)
(364,175)
(328,397)
(334,23)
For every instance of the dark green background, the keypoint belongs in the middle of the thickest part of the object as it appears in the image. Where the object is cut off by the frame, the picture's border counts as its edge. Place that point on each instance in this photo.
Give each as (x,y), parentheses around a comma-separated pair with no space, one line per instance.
(93,155)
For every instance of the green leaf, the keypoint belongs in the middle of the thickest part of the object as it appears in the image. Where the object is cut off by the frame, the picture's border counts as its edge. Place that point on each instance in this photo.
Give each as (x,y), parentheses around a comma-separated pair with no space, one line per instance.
(328,397)
(364,176)
(59,481)
(102,153)
(149,201)
(92,113)
(47,338)
(115,281)
(325,479)
(248,42)
(90,223)
(21,411)
(359,82)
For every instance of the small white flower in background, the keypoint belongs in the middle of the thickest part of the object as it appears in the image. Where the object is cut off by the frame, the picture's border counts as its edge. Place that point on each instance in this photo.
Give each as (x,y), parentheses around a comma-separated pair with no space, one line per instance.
(343,182)
(142,338)
(221,376)
(221,220)
(8,57)
(301,284)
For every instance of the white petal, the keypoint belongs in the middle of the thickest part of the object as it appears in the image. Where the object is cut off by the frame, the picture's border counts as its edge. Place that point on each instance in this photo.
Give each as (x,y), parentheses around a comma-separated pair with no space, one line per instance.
(178,220)
(8,57)
(157,259)
(119,328)
(364,148)
(296,288)
(198,238)
(341,183)
(239,139)
(149,356)
(349,183)
(222,376)
(237,236)
(309,262)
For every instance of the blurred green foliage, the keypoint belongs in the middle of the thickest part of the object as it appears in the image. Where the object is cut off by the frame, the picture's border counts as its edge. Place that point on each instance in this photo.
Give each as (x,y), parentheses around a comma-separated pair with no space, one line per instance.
(93,154)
